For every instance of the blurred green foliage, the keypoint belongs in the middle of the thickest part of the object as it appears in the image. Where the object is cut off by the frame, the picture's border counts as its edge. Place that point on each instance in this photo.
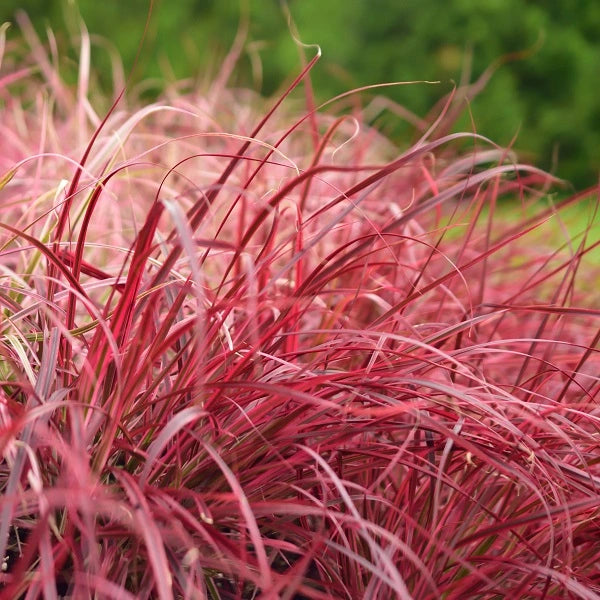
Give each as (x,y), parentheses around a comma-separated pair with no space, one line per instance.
(548,98)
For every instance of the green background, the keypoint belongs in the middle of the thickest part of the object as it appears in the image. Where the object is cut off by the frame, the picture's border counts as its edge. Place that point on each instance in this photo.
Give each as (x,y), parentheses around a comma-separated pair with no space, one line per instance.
(548,98)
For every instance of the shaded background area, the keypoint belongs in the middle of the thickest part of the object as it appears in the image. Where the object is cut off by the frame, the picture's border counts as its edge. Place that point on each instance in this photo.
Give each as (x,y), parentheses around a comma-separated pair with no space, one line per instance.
(547,98)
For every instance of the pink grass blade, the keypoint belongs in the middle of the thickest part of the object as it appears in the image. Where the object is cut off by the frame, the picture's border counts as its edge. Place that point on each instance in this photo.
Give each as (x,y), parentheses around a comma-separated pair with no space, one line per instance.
(249,519)
(152,537)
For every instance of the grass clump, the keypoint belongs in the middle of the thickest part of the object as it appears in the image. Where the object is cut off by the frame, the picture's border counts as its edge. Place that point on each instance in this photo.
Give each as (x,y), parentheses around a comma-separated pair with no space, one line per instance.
(256,353)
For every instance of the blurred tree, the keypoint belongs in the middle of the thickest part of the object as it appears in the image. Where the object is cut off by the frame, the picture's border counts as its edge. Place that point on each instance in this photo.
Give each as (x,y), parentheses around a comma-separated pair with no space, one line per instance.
(548,98)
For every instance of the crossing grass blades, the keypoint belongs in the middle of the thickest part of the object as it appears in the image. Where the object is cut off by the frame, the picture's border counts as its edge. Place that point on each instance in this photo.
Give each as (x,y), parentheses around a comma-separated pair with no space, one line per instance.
(249,349)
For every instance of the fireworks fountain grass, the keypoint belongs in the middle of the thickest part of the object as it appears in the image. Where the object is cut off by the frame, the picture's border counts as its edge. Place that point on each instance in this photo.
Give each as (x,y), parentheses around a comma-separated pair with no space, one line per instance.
(254,352)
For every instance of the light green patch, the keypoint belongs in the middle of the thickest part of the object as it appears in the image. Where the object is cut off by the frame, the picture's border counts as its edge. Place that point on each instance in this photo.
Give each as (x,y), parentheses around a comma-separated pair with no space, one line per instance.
(7,177)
